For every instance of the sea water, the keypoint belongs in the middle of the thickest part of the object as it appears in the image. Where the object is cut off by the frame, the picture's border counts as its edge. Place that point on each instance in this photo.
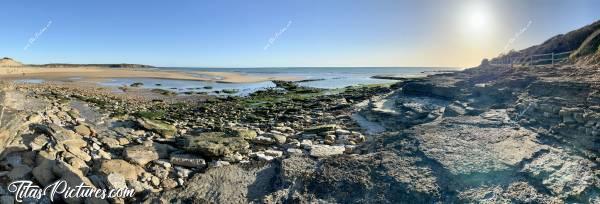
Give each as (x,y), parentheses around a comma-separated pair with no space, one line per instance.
(317,77)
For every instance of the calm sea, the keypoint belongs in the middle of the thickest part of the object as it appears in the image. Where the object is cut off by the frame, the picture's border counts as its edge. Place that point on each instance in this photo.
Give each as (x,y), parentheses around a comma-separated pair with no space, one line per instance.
(318,77)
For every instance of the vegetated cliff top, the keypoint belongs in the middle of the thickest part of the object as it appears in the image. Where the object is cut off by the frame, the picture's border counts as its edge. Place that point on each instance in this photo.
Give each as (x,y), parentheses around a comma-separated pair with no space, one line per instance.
(584,42)
(8,62)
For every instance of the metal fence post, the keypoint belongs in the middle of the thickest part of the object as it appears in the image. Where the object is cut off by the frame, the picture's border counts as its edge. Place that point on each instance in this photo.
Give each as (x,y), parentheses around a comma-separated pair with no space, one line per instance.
(531,60)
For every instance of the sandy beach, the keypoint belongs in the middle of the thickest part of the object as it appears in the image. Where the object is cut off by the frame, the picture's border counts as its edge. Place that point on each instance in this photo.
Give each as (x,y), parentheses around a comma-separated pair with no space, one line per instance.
(94,74)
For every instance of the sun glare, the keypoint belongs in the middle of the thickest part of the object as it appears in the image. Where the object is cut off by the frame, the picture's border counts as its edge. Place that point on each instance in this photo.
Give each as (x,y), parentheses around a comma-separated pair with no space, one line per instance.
(476,19)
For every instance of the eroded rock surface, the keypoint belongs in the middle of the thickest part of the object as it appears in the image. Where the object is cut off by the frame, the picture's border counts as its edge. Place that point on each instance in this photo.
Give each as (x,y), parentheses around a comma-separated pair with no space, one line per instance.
(485,135)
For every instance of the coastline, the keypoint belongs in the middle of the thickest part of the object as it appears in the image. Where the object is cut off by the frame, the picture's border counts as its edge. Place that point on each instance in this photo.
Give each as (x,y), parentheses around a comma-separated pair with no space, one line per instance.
(410,123)
(98,74)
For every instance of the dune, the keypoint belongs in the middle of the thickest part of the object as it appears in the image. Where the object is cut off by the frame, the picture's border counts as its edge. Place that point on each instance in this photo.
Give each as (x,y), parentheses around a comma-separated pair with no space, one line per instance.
(8,62)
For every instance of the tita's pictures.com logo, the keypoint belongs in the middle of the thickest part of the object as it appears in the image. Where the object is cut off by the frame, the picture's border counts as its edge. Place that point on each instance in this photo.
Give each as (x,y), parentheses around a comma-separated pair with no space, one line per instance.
(24,189)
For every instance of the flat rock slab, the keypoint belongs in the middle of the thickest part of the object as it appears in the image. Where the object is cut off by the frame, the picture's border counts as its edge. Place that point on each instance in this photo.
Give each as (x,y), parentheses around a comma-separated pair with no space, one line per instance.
(127,170)
(320,128)
(226,184)
(326,150)
(160,127)
(140,154)
(188,160)
(214,144)
(473,144)
(565,175)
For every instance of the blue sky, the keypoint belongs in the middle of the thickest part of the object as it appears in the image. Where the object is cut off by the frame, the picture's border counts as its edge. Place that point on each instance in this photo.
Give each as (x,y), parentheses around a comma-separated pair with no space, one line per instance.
(228,33)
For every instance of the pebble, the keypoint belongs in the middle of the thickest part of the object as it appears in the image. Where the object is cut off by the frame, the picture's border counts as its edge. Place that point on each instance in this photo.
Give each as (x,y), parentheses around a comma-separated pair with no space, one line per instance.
(163,163)
(182,172)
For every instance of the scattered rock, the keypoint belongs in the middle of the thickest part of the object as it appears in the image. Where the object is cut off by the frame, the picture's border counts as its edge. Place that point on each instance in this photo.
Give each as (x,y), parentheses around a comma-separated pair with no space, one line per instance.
(128,171)
(162,128)
(140,154)
(214,144)
(19,172)
(83,130)
(263,140)
(116,181)
(320,128)
(280,139)
(273,153)
(188,160)
(320,151)
(244,133)
(38,142)
(110,142)
(43,172)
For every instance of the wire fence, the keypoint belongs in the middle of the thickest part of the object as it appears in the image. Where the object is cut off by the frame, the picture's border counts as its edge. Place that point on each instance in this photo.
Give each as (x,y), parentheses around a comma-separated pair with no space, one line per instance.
(534,60)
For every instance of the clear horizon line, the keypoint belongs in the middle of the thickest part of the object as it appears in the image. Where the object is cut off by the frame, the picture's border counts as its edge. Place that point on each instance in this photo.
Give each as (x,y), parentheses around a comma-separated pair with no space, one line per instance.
(252,67)
(311,67)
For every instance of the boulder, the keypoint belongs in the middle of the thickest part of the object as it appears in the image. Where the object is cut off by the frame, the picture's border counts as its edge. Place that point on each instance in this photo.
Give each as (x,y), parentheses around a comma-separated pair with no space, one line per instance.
(263,140)
(280,139)
(263,157)
(122,167)
(79,164)
(38,142)
(320,128)
(116,181)
(140,154)
(162,128)
(446,90)
(294,151)
(163,150)
(454,110)
(110,142)
(214,144)
(273,153)
(78,152)
(83,130)
(62,136)
(320,151)
(43,172)
(244,133)
(19,172)
(72,177)
(188,160)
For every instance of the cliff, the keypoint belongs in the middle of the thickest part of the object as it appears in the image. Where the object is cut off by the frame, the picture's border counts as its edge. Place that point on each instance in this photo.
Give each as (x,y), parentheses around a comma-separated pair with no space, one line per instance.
(8,62)
(584,43)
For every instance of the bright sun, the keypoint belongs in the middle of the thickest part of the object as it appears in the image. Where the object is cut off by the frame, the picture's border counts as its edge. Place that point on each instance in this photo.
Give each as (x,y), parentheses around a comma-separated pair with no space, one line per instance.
(476,18)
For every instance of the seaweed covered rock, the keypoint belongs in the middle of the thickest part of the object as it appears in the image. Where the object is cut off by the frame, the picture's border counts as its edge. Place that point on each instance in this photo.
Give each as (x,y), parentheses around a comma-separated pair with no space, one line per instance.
(162,128)
(243,133)
(287,85)
(320,128)
(213,144)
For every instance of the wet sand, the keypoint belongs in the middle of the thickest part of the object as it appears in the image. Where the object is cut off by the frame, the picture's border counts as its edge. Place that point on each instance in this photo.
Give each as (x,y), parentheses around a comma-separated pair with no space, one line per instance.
(94,74)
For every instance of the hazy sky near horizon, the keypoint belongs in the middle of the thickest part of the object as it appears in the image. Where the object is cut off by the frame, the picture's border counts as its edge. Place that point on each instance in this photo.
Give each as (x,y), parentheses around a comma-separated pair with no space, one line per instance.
(274,33)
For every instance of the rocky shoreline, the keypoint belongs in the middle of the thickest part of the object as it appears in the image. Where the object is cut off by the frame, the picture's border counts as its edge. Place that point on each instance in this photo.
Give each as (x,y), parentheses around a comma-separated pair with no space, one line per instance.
(488,134)
(154,144)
